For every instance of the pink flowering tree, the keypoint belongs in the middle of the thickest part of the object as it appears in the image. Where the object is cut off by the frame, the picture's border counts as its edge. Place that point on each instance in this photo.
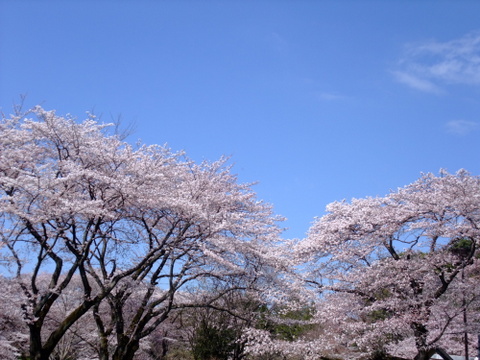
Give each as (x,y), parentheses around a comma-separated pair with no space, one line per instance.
(398,274)
(135,225)
(13,330)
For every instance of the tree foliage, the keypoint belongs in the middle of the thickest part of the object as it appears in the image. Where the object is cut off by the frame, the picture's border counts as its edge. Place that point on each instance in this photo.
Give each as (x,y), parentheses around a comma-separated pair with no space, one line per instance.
(389,268)
(106,248)
(135,224)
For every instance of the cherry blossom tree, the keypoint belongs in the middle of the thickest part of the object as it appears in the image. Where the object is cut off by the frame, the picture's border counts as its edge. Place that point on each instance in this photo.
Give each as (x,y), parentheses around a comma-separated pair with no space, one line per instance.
(388,268)
(13,330)
(76,201)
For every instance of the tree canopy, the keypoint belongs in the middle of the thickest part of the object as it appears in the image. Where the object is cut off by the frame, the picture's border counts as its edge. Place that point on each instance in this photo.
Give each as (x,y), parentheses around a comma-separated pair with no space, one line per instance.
(394,269)
(110,251)
(126,220)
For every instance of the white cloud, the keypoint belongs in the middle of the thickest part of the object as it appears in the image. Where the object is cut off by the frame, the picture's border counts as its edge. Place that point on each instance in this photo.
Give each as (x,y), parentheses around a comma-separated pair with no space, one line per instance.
(278,43)
(431,65)
(329,96)
(416,82)
(461,127)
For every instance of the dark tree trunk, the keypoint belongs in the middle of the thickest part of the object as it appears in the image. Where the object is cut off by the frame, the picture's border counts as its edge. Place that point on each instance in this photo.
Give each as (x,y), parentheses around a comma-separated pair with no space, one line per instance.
(420,332)
(126,352)
(424,354)
(478,346)
(42,350)
(36,349)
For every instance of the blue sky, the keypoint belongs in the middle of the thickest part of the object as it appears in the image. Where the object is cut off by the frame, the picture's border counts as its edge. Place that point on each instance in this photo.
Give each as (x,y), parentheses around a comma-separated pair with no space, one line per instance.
(316,100)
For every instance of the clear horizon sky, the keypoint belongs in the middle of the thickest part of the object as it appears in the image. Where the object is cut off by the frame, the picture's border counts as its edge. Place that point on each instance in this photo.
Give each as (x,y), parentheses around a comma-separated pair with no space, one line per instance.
(316,100)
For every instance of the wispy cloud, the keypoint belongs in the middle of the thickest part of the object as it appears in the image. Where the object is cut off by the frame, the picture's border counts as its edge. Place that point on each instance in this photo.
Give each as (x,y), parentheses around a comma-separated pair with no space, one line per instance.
(461,127)
(330,96)
(432,65)
(416,82)
(278,42)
